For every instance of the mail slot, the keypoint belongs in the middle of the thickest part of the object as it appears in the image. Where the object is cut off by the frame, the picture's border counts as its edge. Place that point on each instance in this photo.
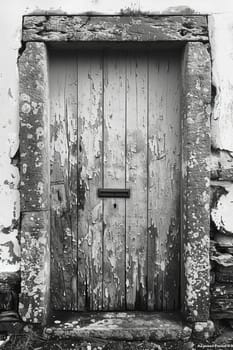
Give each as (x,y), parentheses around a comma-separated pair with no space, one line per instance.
(114,192)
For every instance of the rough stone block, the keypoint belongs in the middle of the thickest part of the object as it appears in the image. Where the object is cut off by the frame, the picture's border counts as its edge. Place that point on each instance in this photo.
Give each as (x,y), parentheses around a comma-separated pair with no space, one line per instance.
(195,173)
(221,165)
(35,267)
(34,128)
(115,28)
(203,330)
(224,241)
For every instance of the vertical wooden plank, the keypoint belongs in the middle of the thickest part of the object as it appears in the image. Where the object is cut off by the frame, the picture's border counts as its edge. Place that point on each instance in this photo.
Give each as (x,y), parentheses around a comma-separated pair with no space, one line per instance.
(114,177)
(164,181)
(90,217)
(173,240)
(63,89)
(136,180)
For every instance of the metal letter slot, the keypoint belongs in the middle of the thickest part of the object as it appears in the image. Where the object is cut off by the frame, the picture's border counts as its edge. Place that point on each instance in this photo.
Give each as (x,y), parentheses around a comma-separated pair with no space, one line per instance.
(113,192)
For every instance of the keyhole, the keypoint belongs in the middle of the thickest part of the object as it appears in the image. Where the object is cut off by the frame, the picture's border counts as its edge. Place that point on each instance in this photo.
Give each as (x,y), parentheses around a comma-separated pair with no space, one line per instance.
(114,205)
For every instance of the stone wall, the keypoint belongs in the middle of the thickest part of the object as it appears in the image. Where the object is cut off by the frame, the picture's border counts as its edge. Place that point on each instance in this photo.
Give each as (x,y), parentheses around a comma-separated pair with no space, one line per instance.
(221,162)
(221,231)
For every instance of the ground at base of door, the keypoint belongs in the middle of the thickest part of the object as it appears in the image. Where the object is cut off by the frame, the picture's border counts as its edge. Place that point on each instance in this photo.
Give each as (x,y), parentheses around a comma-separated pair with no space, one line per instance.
(21,344)
(118,326)
(21,336)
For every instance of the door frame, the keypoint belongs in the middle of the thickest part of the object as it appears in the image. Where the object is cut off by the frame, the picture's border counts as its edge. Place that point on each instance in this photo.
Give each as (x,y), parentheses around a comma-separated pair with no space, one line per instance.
(190,33)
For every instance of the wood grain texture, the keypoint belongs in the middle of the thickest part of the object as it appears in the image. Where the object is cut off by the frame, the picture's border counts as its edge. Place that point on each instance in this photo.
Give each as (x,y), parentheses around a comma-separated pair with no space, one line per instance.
(90,211)
(115,28)
(136,180)
(163,181)
(63,160)
(114,177)
(128,136)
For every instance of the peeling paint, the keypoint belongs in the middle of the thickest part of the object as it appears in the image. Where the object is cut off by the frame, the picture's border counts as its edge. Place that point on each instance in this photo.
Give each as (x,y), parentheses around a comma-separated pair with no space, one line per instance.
(10,252)
(222,213)
(220,25)
(222,58)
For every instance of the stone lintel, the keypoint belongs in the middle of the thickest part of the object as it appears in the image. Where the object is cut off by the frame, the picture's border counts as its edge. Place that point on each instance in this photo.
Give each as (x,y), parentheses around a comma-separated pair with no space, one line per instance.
(115,28)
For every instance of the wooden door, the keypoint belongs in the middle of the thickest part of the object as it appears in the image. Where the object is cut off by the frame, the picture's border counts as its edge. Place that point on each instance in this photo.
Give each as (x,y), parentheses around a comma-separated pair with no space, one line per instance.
(115,123)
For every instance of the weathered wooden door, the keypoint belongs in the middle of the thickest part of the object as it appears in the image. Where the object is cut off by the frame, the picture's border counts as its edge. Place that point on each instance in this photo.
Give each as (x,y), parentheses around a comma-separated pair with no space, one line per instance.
(115,123)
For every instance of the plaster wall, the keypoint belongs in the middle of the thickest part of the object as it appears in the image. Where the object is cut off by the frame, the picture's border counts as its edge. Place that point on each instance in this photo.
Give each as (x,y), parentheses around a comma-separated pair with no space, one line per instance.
(221,39)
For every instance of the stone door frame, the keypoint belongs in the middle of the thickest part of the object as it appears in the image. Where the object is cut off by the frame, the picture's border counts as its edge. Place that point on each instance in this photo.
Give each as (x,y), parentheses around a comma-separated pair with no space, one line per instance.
(190,33)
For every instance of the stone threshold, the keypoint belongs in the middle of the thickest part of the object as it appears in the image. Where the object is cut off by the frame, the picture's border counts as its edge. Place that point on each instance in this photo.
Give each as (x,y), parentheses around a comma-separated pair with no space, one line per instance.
(121,326)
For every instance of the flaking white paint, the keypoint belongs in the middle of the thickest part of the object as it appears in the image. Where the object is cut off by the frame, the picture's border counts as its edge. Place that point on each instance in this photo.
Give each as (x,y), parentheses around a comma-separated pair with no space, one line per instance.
(8,264)
(222,214)
(221,39)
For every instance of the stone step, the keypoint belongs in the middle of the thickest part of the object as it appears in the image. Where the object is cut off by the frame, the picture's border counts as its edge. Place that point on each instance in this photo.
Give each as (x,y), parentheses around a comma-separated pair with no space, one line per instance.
(121,326)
